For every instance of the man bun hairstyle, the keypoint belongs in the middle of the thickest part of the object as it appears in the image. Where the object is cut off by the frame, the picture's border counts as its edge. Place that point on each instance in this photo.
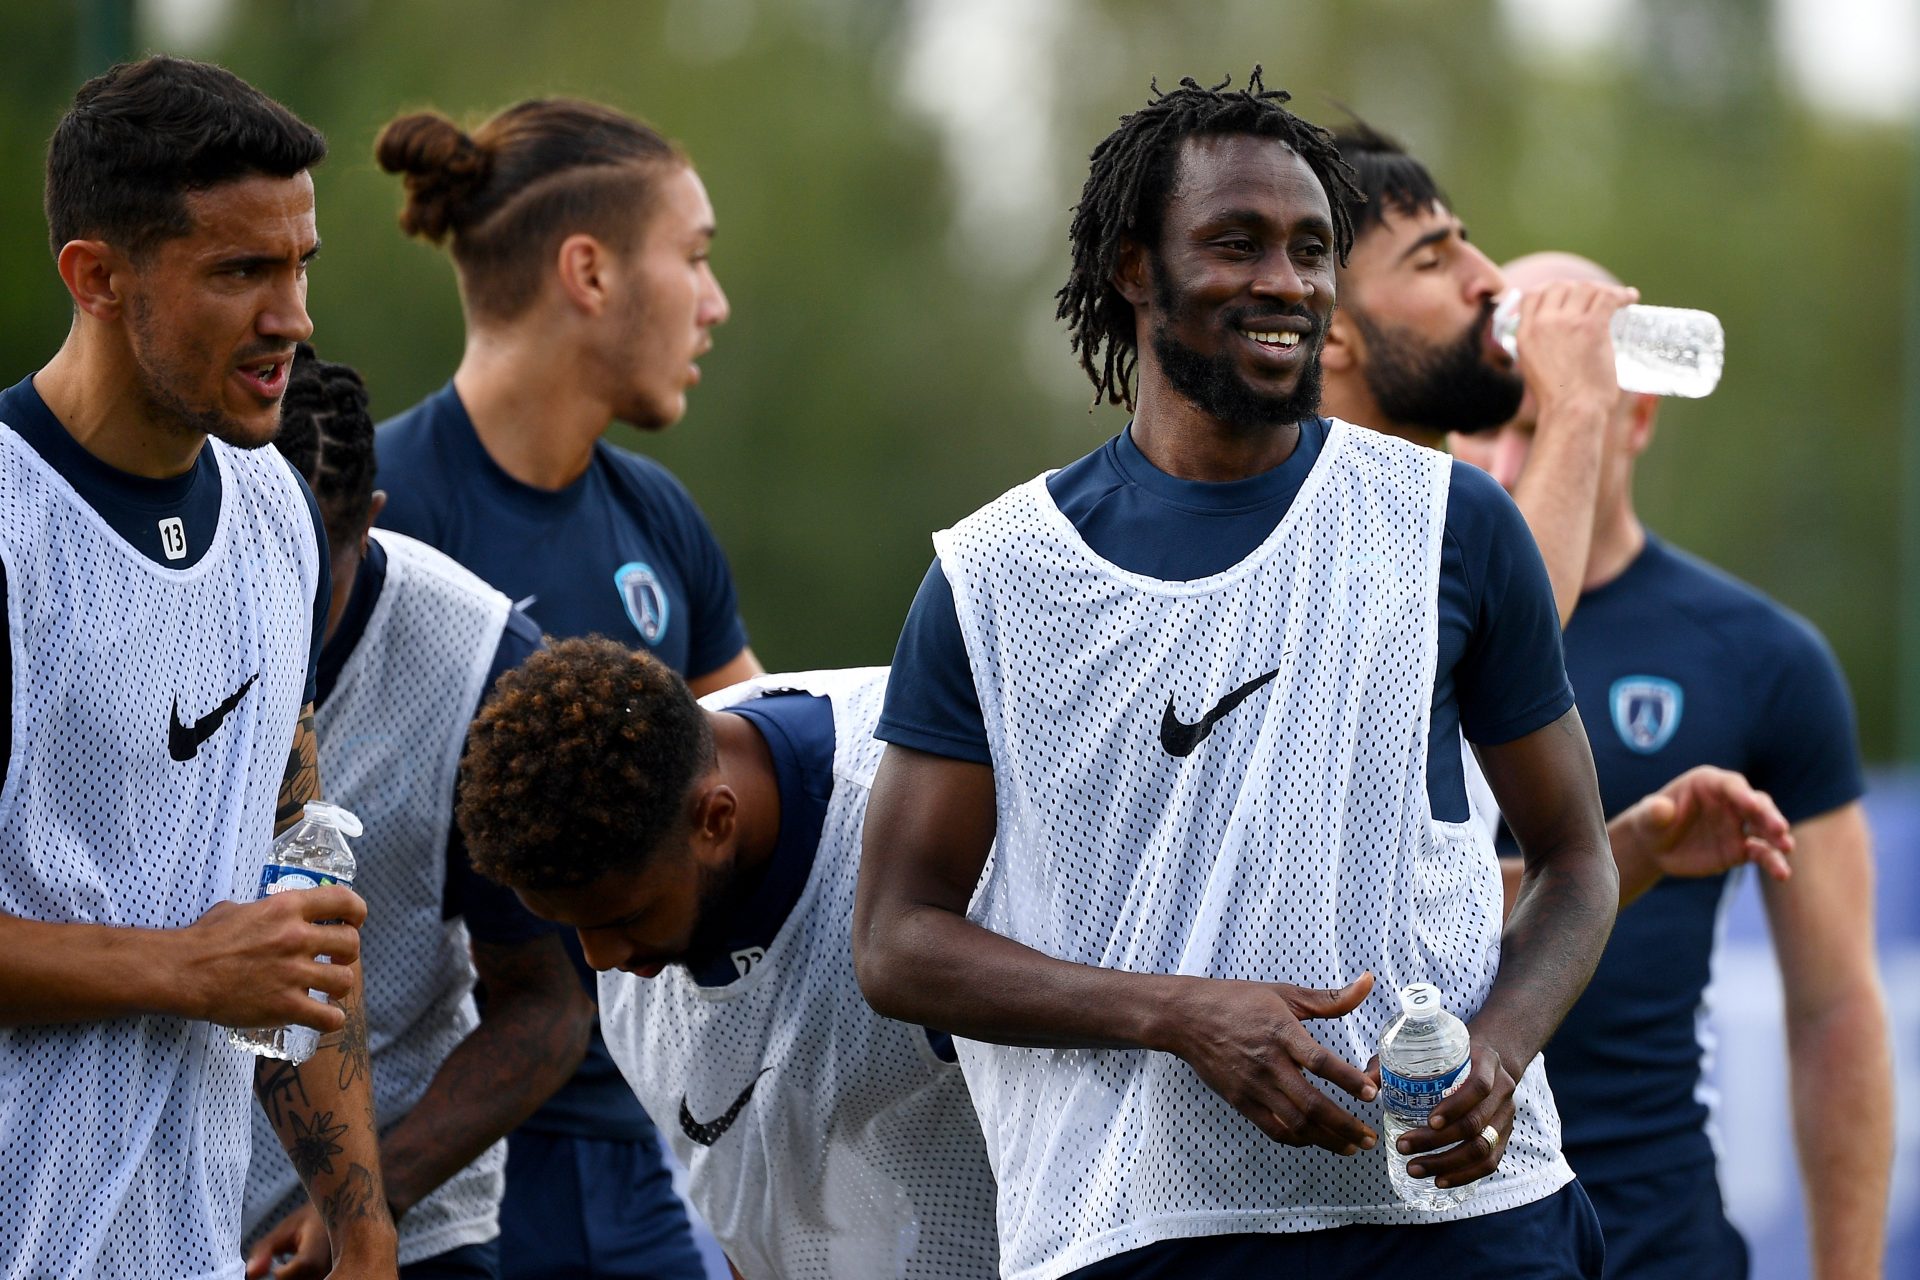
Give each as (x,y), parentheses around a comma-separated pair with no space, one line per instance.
(1125,200)
(142,136)
(326,432)
(580,763)
(1388,179)
(505,195)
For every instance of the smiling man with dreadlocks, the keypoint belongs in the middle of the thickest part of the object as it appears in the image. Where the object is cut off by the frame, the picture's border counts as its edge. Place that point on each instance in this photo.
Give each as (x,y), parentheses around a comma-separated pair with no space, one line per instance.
(1182,692)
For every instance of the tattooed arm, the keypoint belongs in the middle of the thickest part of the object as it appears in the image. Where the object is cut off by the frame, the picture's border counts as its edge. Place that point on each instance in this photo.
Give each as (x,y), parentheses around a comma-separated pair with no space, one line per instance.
(530,1038)
(322,1109)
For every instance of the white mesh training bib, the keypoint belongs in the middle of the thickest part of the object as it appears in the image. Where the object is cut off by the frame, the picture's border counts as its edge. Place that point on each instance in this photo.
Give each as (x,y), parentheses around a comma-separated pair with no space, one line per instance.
(153,711)
(1227,778)
(823,1141)
(391,734)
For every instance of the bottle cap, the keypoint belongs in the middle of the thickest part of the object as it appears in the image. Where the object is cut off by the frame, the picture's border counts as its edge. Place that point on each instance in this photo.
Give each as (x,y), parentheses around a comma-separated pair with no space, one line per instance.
(332,815)
(1420,1000)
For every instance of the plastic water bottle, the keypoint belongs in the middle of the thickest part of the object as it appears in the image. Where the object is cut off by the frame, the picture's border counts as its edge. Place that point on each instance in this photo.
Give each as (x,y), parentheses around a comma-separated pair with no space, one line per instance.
(311,853)
(1423,1057)
(1661,351)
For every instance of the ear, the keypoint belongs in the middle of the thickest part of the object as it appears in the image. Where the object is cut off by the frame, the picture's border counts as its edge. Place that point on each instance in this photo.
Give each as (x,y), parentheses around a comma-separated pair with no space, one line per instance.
(374,508)
(716,814)
(1645,409)
(1344,348)
(584,264)
(89,269)
(1133,276)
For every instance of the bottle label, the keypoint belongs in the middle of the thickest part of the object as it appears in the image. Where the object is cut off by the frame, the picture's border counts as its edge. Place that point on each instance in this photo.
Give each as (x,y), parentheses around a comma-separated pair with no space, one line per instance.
(1415,1097)
(276,878)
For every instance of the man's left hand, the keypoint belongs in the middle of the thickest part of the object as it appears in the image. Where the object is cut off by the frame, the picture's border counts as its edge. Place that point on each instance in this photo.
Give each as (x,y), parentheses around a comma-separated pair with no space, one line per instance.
(1706,821)
(1482,1101)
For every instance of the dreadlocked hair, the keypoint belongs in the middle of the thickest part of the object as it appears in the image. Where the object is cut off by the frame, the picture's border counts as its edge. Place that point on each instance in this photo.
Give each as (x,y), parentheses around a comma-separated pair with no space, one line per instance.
(1125,199)
(326,432)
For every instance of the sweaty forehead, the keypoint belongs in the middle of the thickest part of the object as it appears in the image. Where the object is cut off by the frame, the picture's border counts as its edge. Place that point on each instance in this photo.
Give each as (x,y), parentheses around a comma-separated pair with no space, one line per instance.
(1245,172)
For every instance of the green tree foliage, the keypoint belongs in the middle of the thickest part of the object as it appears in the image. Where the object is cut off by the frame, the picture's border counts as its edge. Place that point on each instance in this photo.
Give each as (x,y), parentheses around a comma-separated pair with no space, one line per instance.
(880,378)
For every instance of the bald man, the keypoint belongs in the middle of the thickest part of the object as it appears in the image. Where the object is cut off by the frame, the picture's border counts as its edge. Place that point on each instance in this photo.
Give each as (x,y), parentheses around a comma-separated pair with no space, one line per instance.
(1674,664)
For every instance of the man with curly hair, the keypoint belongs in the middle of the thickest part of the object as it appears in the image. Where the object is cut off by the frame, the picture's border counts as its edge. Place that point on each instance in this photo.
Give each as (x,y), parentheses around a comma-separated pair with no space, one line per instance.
(1158,790)
(706,853)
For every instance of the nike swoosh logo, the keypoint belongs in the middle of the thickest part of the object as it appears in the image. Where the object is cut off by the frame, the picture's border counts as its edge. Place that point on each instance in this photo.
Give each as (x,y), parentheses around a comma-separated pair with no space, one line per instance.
(1180,738)
(183,740)
(709,1133)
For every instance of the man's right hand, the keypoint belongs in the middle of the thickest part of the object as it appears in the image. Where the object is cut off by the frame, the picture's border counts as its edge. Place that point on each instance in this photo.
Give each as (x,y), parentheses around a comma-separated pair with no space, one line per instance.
(1245,1041)
(1566,344)
(251,964)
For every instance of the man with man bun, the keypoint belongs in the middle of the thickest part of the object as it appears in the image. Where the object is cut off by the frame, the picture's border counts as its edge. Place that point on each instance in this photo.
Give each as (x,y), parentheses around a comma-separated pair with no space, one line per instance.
(579,239)
(413,644)
(165,590)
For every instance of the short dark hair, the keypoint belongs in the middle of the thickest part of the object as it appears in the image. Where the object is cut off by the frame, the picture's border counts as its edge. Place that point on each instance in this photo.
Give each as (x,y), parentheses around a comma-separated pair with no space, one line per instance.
(326,432)
(579,764)
(1125,199)
(510,191)
(143,135)
(1389,180)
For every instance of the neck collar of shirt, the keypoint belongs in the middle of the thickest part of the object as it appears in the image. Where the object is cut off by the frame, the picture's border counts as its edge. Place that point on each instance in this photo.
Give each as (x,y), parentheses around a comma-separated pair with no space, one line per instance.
(41,428)
(1226,497)
(457,422)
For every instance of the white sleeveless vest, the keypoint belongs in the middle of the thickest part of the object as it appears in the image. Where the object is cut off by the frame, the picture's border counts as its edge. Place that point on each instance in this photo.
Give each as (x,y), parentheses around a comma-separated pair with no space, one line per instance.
(131,800)
(822,1141)
(391,734)
(1227,778)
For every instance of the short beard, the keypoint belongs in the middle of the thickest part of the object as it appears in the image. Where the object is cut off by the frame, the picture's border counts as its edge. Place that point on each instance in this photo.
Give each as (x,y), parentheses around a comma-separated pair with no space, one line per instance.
(1212,384)
(1438,388)
(165,407)
(721,894)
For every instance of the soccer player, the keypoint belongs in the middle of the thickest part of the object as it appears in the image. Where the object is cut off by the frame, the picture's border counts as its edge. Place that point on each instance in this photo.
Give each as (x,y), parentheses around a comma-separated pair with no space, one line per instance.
(164,595)
(1158,789)
(1409,354)
(413,644)
(580,240)
(1411,351)
(706,853)
(1679,665)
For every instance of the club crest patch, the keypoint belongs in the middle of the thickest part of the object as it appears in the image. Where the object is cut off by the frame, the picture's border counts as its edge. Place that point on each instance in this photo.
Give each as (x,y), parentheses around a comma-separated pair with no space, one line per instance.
(645,599)
(1646,711)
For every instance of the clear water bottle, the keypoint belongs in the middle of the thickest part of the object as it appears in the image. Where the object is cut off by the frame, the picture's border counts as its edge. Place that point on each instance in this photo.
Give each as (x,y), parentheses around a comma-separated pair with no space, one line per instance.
(1424,1055)
(311,853)
(1661,351)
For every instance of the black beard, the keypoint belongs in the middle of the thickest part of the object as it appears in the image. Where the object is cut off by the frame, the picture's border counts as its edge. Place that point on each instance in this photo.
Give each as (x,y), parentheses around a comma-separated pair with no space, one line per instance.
(721,895)
(1440,388)
(1212,384)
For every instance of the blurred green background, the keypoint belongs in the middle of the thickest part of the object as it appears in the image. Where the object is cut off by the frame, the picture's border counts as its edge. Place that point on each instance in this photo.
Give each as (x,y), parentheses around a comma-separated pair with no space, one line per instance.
(893,183)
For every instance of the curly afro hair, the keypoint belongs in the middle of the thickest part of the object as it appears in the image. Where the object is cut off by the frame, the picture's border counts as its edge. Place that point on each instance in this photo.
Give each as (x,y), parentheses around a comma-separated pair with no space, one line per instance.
(579,764)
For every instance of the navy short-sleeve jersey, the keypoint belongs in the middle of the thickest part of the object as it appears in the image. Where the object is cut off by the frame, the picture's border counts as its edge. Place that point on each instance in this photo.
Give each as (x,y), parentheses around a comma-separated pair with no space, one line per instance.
(492,913)
(621,552)
(133,506)
(1498,677)
(1676,664)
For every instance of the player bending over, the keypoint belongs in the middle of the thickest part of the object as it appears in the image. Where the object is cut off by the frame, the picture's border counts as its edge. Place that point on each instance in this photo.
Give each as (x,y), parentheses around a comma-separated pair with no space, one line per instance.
(706,853)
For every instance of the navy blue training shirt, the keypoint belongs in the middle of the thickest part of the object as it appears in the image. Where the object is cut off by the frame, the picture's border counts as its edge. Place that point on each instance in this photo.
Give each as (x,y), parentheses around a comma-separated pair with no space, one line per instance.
(1676,664)
(1499,674)
(133,506)
(621,552)
(493,914)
